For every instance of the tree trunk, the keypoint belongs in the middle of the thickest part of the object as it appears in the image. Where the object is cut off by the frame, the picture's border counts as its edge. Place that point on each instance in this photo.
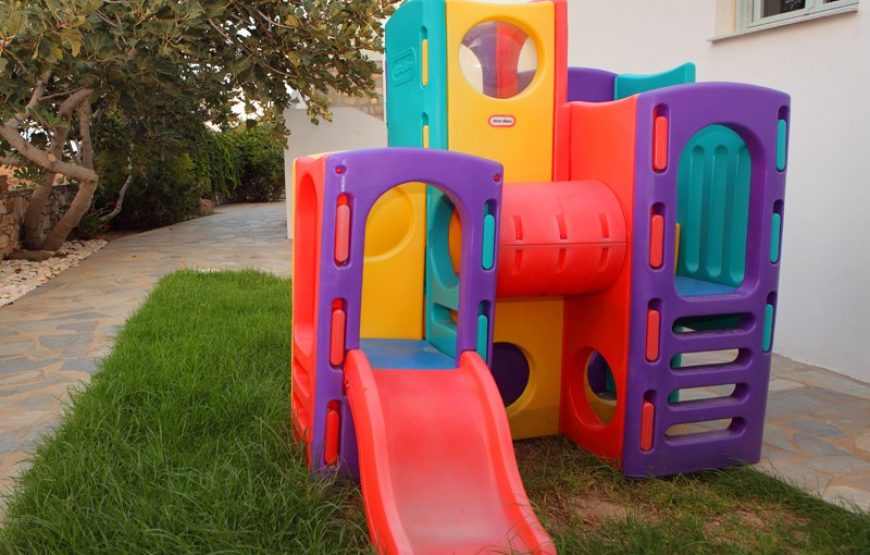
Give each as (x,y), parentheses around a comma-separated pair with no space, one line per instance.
(85,195)
(80,204)
(51,160)
(33,217)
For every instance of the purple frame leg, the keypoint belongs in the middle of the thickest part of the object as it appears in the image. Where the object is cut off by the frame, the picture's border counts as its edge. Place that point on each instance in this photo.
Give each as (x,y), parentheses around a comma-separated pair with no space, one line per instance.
(754,113)
(472,184)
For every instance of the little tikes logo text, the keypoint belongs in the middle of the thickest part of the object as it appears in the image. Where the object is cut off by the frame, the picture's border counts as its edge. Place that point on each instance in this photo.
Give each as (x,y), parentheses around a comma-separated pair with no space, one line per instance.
(502,120)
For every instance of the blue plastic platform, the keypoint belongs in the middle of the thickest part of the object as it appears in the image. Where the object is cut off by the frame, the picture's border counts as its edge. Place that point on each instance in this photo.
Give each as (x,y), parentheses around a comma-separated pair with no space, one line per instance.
(691,287)
(406,354)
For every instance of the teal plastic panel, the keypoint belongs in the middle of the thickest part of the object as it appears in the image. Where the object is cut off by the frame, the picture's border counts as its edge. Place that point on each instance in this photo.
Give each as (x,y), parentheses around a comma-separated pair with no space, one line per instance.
(775,235)
(488,242)
(713,185)
(768,328)
(629,85)
(482,336)
(411,106)
(781,144)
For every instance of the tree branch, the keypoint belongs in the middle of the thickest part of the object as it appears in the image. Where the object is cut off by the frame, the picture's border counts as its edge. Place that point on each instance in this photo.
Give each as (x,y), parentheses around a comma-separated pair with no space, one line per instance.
(119,205)
(60,94)
(59,135)
(38,91)
(73,102)
(12,161)
(43,159)
(257,59)
(87,146)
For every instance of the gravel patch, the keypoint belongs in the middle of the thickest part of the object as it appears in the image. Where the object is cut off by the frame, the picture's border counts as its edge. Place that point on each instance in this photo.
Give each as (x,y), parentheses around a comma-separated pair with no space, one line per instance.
(19,277)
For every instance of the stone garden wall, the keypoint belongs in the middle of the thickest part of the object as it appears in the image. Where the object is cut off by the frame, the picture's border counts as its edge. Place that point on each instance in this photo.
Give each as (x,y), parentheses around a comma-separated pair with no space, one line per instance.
(13,205)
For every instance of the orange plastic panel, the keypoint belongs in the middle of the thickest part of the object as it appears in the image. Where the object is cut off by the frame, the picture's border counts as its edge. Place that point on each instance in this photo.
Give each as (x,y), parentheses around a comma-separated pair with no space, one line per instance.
(657,241)
(559,239)
(660,144)
(342,233)
(308,208)
(431,482)
(647,420)
(603,145)
(332,435)
(562,112)
(653,332)
(336,344)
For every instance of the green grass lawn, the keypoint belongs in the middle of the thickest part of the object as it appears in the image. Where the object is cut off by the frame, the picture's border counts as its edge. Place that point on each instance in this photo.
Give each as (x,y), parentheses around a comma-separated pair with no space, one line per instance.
(182,444)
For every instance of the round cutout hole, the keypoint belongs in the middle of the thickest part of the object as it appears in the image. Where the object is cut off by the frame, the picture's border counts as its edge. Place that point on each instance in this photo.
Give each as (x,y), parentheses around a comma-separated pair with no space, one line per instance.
(498,59)
(600,387)
(510,370)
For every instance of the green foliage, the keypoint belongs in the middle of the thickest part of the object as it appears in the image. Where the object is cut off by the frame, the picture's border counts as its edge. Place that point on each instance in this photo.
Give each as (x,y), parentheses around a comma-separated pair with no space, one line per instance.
(199,52)
(260,152)
(166,190)
(221,162)
(164,65)
(171,174)
(91,226)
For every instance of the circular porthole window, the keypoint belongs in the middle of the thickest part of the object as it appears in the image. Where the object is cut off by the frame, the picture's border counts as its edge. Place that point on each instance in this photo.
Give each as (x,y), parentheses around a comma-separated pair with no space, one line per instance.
(510,370)
(600,387)
(498,59)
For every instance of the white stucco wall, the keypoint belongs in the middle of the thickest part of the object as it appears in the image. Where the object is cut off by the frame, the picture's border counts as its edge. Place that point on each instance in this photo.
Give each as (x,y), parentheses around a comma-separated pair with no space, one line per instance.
(350,129)
(824,302)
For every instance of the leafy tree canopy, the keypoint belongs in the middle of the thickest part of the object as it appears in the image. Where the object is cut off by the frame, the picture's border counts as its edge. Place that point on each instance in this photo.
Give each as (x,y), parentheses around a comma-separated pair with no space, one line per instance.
(64,63)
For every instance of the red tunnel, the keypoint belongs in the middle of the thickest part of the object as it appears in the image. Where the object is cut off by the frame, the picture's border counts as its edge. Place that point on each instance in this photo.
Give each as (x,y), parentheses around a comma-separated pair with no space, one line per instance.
(559,239)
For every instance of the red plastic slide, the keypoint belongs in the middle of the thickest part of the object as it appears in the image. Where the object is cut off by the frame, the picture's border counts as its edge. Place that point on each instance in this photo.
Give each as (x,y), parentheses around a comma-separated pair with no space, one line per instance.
(437,463)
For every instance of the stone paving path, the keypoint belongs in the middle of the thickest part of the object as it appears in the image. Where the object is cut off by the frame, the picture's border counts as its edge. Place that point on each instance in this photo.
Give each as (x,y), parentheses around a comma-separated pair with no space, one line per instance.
(818,424)
(50,338)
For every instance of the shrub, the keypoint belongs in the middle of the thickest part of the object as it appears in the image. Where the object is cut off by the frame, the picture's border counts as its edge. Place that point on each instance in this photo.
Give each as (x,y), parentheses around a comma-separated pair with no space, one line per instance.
(166,189)
(221,161)
(90,227)
(261,164)
(172,172)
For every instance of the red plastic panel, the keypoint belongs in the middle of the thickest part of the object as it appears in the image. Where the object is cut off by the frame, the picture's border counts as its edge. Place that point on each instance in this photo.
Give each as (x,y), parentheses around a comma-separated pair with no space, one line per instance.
(657,241)
(566,238)
(332,435)
(336,343)
(342,232)
(660,143)
(562,115)
(306,272)
(603,144)
(653,334)
(647,420)
(427,494)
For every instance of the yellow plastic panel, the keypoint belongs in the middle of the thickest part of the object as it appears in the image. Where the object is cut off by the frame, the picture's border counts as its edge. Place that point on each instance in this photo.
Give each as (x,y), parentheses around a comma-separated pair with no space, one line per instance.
(392,293)
(535,326)
(517,132)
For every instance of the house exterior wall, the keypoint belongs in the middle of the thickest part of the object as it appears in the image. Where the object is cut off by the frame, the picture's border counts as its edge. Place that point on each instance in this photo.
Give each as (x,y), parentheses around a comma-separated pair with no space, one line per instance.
(824,299)
(357,123)
(350,129)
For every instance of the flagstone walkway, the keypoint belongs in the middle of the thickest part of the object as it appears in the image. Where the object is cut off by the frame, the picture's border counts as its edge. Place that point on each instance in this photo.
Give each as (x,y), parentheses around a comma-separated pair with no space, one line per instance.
(818,424)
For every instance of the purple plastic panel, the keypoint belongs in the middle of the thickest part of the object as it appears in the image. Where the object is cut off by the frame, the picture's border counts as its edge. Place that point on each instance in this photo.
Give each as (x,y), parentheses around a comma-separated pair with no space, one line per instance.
(590,85)
(473,185)
(753,112)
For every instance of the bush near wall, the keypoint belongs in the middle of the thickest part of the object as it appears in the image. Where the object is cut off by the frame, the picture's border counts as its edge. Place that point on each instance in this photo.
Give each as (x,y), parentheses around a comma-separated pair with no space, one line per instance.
(241,165)
(261,164)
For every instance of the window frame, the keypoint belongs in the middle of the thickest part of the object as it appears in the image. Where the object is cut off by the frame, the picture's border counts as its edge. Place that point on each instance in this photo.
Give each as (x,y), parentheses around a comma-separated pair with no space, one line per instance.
(749,13)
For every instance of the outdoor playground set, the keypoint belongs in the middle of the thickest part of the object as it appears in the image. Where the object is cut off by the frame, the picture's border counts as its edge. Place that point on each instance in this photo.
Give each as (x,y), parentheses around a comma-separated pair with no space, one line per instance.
(547,251)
